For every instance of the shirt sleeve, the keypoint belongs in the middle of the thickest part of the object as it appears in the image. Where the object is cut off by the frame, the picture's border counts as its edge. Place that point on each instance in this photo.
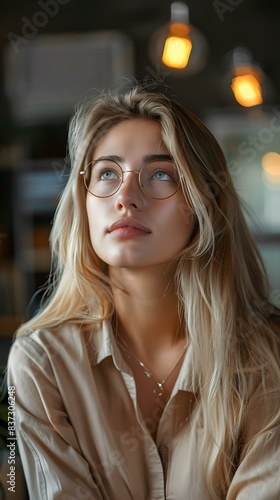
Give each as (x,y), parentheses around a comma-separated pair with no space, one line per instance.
(53,464)
(258,475)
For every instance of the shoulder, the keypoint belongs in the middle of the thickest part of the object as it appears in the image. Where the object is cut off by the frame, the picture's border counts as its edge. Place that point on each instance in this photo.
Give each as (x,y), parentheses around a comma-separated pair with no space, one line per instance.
(47,348)
(47,365)
(46,340)
(263,411)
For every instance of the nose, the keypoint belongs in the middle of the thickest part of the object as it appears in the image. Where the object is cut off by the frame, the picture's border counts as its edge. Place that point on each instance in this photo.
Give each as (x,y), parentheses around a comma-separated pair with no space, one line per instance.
(130,193)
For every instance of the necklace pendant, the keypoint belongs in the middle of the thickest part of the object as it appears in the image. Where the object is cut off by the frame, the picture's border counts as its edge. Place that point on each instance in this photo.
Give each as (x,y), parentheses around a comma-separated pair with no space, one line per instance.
(158,389)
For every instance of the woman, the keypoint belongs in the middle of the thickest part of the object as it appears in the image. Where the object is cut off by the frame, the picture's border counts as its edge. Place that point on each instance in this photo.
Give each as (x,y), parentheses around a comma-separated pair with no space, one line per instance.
(153,371)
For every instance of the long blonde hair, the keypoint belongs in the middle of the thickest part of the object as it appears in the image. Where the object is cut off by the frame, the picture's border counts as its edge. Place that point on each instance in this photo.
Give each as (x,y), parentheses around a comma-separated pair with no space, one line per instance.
(220,278)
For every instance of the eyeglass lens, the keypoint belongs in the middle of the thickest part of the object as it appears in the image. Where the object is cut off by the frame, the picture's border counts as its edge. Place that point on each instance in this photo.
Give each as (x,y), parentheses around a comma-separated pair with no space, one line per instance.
(158,179)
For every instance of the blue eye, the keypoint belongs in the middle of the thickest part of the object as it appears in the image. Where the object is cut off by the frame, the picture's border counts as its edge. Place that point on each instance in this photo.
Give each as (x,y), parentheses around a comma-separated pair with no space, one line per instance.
(161,175)
(108,175)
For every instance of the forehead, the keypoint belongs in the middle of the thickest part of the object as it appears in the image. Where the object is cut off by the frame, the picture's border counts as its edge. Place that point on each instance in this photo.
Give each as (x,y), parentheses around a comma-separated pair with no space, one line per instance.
(132,136)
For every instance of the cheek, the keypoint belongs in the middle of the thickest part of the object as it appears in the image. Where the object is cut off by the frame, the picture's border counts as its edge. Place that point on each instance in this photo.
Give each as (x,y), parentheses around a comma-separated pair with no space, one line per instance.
(182,220)
(185,216)
(176,228)
(186,224)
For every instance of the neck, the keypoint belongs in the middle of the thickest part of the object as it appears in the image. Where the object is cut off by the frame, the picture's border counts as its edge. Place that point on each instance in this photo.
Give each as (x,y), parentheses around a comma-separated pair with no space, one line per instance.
(146,309)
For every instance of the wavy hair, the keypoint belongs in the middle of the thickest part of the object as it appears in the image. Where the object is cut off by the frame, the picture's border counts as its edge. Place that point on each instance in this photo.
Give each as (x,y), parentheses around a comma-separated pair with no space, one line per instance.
(220,279)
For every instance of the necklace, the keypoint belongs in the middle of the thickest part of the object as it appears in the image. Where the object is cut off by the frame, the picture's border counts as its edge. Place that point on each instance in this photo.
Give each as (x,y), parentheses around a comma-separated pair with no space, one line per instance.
(159,385)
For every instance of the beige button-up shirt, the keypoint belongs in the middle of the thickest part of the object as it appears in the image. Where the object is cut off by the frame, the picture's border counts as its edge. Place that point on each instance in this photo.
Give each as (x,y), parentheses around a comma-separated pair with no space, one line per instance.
(81,435)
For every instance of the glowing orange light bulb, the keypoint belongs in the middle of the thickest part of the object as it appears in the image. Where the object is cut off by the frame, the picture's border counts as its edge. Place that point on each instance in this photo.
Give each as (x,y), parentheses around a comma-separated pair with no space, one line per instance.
(246,87)
(271,166)
(178,46)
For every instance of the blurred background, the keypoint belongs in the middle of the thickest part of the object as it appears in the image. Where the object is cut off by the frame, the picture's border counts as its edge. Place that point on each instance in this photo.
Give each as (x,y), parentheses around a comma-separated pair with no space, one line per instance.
(55,52)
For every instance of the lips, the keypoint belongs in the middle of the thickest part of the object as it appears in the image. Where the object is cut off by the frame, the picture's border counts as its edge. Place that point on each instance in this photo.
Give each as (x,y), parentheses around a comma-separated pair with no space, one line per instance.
(129,223)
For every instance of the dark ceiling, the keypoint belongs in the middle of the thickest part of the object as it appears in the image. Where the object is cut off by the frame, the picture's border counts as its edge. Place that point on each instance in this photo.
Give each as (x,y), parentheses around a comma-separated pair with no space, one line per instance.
(225,25)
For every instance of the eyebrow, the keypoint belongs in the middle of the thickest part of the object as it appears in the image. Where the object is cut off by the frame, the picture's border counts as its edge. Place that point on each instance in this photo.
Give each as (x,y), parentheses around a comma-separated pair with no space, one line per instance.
(146,158)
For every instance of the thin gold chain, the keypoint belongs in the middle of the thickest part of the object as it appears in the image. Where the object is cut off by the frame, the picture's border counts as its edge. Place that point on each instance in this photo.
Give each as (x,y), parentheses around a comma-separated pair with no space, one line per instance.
(158,389)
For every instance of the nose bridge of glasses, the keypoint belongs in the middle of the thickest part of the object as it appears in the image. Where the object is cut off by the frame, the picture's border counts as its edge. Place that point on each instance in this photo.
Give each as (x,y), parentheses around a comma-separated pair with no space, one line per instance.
(131,172)
(125,177)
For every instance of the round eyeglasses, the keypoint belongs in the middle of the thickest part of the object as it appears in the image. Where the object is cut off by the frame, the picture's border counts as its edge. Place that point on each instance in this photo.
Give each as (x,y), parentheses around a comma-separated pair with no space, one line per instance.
(157,179)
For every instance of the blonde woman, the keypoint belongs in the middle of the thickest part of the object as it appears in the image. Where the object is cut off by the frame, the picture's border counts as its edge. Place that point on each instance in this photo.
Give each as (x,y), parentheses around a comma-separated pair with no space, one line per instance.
(153,370)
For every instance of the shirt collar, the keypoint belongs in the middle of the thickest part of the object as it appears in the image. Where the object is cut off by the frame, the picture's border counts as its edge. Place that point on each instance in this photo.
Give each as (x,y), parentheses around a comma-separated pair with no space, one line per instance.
(104,345)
